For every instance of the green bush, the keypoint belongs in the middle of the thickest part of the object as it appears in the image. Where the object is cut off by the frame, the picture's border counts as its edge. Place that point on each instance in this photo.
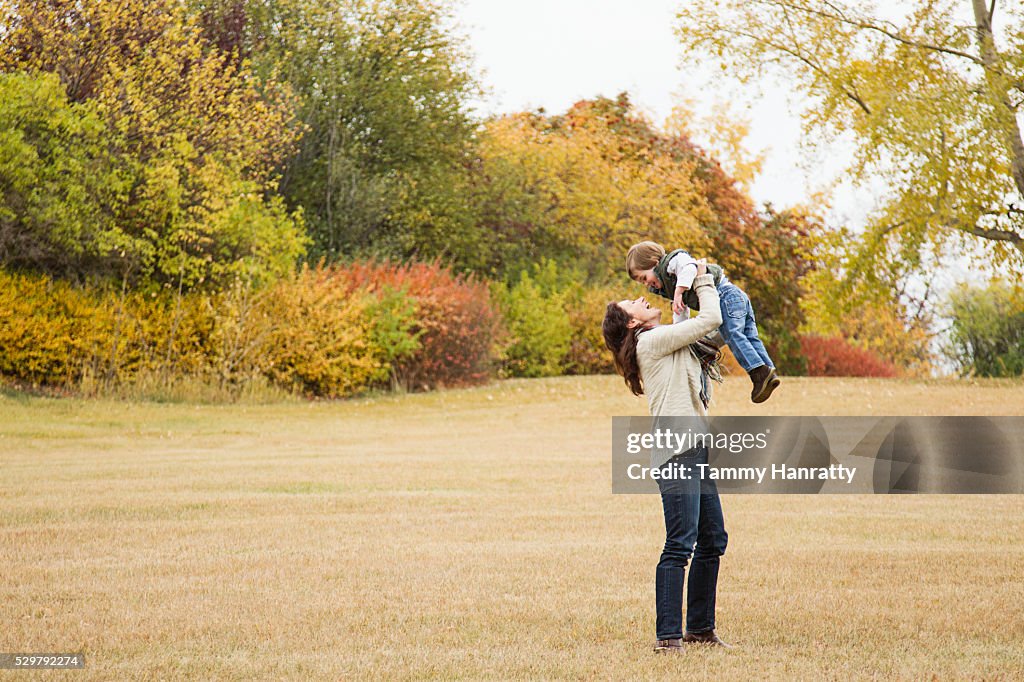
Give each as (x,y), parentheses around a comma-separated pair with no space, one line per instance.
(987,336)
(395,330)
(540,333)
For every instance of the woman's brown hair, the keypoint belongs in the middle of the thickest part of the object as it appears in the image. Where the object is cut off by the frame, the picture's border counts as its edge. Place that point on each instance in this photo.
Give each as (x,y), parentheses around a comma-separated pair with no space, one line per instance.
(621,341)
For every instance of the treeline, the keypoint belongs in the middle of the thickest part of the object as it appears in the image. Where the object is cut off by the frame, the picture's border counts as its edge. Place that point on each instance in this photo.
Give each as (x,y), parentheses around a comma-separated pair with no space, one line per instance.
(196,188)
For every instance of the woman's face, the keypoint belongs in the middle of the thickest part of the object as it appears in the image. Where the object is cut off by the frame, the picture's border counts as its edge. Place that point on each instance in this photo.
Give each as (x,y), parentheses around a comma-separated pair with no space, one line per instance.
(641,311)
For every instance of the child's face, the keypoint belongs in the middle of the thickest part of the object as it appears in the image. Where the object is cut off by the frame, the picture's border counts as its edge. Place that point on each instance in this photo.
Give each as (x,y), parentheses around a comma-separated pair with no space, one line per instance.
(647,278)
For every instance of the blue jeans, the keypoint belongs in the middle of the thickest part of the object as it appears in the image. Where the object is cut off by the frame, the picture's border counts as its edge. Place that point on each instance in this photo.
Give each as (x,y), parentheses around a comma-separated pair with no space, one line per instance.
(739,329)
(694,527)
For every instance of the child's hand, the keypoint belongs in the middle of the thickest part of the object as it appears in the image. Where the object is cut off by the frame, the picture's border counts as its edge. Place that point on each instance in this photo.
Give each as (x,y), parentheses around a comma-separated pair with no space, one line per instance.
(702,267)
(677,302)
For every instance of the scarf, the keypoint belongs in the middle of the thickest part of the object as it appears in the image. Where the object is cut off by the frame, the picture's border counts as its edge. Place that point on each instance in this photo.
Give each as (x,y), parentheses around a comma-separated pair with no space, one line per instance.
(710,367)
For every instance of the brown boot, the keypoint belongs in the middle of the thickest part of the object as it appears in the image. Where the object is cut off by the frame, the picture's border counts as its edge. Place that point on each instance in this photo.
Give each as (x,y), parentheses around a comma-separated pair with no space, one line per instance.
(708,637)
(668,646)
(765,381)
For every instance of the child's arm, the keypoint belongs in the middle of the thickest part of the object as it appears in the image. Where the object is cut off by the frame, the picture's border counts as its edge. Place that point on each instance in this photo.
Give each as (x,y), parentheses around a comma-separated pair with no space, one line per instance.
(670,338)
(678,307)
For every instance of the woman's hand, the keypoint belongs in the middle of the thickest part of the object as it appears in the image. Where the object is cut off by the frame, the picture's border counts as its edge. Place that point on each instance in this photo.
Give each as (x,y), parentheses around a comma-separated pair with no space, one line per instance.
(702,267)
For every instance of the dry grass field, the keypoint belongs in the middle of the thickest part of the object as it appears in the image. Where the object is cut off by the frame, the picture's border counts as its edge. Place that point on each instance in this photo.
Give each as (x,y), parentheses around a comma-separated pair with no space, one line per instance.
(472,534)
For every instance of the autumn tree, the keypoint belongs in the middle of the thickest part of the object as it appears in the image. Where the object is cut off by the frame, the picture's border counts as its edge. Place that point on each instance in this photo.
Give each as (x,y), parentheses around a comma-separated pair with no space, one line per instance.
(583,186)
(881,319)
(931,100)
(190,142)
(724,135)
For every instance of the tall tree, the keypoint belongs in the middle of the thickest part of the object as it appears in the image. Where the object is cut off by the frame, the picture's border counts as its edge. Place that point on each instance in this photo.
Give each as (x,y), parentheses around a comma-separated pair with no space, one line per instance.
(191,142)
(384,86)
(932,102)
(583,187)
(58,182)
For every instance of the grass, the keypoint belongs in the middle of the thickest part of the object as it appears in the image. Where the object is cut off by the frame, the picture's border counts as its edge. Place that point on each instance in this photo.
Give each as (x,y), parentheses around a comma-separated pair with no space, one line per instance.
(472,534)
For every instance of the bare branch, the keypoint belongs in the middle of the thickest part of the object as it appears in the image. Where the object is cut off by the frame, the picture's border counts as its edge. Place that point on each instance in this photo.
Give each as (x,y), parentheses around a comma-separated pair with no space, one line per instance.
(920,314)
(994,234)
(889,228)
(869,26)
(851,93)
(998,235)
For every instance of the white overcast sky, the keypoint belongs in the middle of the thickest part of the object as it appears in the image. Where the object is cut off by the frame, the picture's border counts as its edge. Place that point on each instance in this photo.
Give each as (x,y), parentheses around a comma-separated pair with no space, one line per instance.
(550,54)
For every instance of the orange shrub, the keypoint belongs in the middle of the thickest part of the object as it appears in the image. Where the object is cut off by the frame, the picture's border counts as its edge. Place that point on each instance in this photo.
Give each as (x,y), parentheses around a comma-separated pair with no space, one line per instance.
(318,336)
(834,356)
(455,322)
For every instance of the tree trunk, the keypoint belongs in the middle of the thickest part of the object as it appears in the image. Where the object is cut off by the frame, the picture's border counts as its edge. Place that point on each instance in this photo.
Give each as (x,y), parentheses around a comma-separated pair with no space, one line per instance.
(998,88)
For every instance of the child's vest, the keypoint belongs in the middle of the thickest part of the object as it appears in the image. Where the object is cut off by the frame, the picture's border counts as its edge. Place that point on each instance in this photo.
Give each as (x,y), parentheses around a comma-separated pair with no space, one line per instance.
(668,281)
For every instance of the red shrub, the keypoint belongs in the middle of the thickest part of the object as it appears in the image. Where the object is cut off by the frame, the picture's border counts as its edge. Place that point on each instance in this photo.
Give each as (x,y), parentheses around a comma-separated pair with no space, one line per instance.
(834,356)
(456,322)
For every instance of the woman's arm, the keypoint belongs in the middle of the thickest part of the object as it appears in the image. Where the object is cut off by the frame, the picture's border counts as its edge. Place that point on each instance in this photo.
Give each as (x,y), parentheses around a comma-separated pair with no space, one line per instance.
(669,338)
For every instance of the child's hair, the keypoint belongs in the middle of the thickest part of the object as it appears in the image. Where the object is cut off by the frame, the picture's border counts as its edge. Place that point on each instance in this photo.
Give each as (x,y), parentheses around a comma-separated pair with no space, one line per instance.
(643,256)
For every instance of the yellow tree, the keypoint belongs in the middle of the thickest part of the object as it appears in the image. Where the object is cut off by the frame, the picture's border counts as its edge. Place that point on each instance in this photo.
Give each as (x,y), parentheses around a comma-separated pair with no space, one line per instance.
(196,136)
(725,134)
(932,102)
(878,318)
(583,189)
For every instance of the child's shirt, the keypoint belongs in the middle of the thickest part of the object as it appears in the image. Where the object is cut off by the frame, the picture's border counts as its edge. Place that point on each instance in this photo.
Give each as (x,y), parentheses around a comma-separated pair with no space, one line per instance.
(684,267)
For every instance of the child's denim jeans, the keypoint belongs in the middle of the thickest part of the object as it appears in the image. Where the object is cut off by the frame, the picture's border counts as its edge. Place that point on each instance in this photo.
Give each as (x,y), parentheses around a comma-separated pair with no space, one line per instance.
(739,328)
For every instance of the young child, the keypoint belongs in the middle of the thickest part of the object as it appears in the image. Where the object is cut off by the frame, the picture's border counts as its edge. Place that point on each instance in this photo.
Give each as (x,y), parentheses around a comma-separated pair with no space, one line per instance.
(671,274)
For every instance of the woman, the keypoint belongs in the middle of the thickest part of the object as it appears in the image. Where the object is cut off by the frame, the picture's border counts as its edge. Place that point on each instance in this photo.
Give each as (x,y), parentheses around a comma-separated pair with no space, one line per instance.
(657,360)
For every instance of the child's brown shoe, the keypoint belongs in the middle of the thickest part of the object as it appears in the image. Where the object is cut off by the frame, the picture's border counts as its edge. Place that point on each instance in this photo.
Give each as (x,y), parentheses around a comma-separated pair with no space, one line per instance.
(765,381)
